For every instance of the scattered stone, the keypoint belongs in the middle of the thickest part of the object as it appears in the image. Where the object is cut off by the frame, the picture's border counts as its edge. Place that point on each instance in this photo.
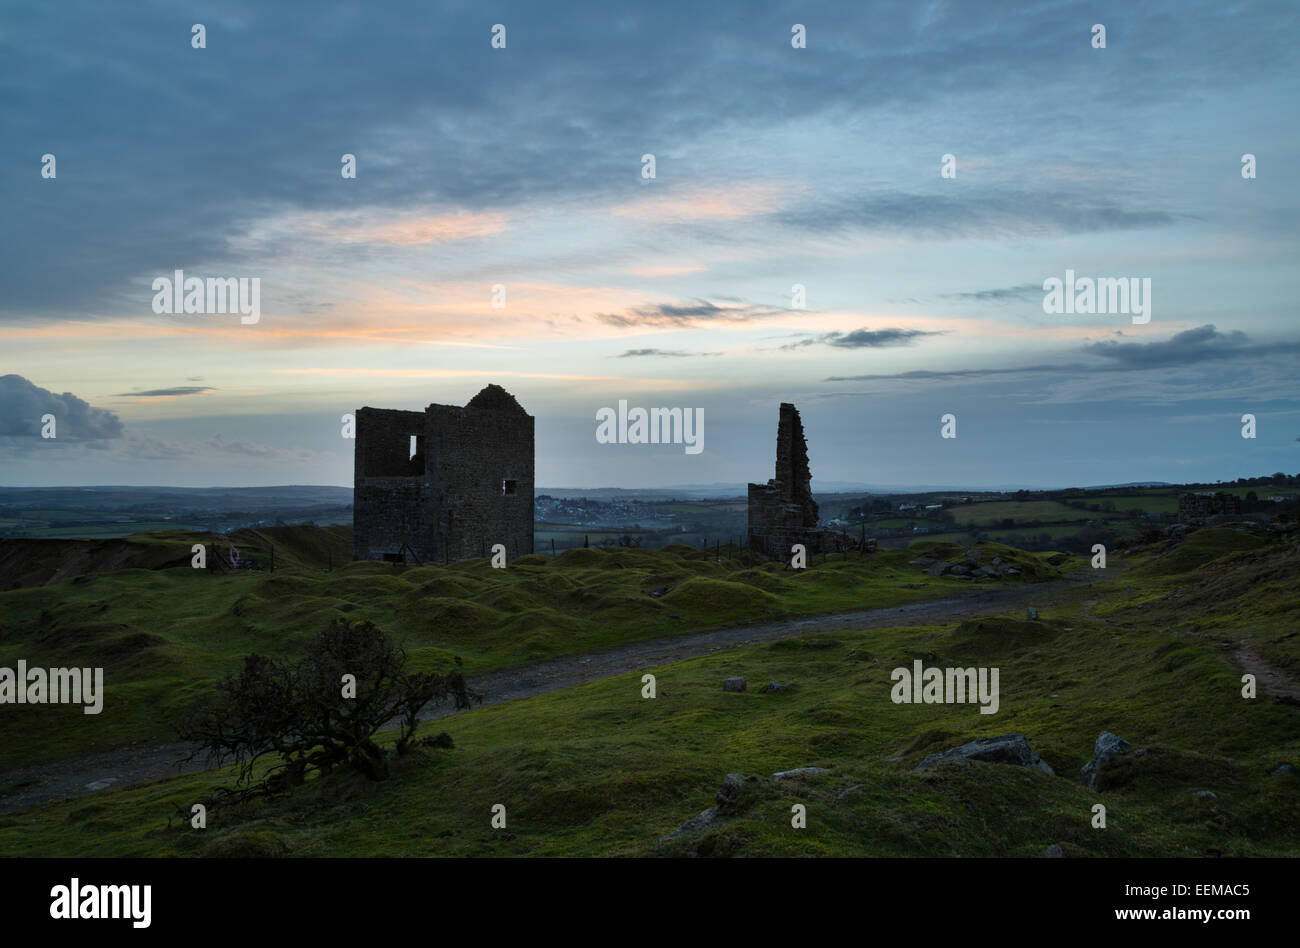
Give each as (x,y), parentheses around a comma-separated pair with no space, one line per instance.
(1054,851)
(733,684)
(1053,696)
(936,570)
(732,787)
(1056,559)
(997,561)
(442,739)
(1031,613)
(1207,794)
(799,772)
(1284,770)
(776,686)
(694,826)
(922,561)
(660,591)
(1011,571)
(101,784)
(1006,749)
(1108,747)
(958,569)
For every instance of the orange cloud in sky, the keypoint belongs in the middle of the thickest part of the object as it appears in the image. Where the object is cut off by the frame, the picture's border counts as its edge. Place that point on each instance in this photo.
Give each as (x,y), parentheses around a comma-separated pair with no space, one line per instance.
(705,203)
(382,226)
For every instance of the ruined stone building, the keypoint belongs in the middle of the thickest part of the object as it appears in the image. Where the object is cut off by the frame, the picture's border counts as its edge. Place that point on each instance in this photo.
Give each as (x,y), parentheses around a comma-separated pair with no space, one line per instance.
(1207,503)
(782,512)
(446,483)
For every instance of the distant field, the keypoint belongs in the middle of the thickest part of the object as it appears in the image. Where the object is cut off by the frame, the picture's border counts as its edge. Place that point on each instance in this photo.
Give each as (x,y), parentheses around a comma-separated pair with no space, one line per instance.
(1048,511)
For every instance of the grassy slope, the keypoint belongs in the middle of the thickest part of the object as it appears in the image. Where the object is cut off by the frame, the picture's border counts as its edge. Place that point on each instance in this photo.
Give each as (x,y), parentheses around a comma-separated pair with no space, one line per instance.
(162,635)
(599,770)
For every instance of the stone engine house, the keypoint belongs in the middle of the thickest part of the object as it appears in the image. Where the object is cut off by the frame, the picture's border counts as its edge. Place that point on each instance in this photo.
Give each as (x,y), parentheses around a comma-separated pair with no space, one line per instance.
(444,484)
(782,512)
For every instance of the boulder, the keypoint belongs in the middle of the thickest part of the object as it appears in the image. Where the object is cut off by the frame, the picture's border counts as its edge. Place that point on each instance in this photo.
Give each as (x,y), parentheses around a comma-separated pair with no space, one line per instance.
(799,772)
(732,787)
(1054,851)
(1108,747)
(1205,794)
(776,686)
(1031,613)
(1006,749)
(959,569)
(733,684)
(936,569)
(1284,770)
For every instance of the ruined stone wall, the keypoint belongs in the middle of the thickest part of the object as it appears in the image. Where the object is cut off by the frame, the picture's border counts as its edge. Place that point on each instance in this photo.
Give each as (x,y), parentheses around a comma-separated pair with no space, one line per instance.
(470,485)
(472,455)
(782,512)
(388,493)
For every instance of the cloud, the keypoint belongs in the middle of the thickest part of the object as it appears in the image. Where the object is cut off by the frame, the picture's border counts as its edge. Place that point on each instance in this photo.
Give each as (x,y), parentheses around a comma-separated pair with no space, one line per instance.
(662,353)
(943,375)
(863,339)
(680,314)
(168,392)
(1004,213)
(1184,348)
(1003,294)
(22,404)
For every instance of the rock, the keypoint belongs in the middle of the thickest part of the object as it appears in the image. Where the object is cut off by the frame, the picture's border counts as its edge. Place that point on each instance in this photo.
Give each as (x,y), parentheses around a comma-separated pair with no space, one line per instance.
(85,578)
(984,572)
(1006,749)
(974,555)
(799,772)
(921,561)
(1054,851)
(101,784)
(441,740)
(958,569)
(936,570)
(659,591)
(1284,770)
(1056,559)
(1108,747)
(776,686)
(997,561)
(1206,794)
(1031,613)
(733,684)
(694,826)
(1011,571)
(732,787)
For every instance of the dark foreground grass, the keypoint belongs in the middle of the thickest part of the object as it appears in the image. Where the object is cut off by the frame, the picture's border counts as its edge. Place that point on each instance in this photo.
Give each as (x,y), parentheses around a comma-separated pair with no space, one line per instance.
(600,770)
(164,635)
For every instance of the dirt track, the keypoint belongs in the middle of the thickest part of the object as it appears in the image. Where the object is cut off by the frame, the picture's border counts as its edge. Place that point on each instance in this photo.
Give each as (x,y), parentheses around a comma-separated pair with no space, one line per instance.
(27,787)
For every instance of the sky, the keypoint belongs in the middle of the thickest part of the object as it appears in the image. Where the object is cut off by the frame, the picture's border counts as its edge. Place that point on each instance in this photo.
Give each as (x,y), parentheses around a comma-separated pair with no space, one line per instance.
(775,167)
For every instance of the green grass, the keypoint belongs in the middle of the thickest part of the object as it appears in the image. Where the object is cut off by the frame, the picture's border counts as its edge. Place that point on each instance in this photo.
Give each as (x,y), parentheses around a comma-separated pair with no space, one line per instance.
(164,635)
(994,512)
(599,770)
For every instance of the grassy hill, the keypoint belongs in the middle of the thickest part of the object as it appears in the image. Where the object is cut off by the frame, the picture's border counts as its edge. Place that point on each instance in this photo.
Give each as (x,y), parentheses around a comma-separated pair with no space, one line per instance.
(164,631)
(600,770)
